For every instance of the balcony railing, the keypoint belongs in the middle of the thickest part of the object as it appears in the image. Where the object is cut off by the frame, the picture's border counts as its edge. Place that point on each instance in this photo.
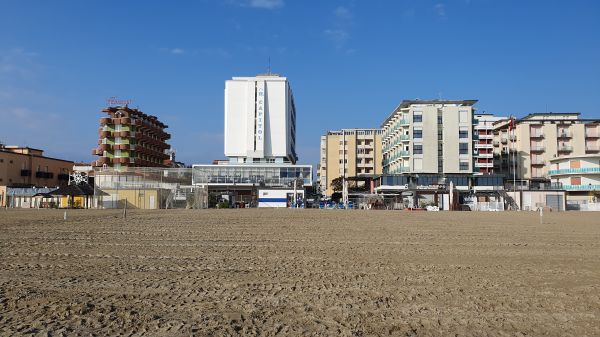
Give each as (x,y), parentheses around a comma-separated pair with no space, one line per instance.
(404,153)
(537,135)
(538,161)
(589,187)
(564,134)
(537,148)
(592,149)
(581,170)
(591,134)
(565,148)
(44,175)
(484,146)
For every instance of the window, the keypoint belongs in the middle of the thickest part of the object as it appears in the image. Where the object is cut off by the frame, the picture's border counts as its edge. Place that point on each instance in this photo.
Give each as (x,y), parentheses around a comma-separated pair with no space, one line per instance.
(417,118)
(418,149)
(417,133)
(463,116)
(463,148)
(463,134)
(463,165)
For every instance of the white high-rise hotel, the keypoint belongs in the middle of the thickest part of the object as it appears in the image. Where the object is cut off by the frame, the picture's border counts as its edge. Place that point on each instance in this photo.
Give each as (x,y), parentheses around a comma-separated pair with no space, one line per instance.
(260,120)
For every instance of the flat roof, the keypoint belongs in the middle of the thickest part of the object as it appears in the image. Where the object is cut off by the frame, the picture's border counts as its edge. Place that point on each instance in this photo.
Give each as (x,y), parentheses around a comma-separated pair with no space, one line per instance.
(535,114)
(408,102)
(35,155)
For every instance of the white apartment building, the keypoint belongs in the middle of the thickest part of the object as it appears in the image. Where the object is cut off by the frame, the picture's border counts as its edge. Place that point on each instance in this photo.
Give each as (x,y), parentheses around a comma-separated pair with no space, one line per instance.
(260,120)
(483,148)
(429,137)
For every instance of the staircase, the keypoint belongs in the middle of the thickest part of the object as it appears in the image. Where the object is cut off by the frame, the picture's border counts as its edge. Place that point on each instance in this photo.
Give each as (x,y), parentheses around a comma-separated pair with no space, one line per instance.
(512,204)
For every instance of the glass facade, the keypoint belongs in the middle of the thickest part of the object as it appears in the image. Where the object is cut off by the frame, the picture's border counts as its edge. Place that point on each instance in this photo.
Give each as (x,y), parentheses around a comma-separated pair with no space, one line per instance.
(267,175)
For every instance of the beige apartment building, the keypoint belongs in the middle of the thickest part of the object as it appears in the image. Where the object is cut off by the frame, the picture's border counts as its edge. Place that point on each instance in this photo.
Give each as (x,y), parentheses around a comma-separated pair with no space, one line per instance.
(433,136)
(539,139)
(28,167)
(349,153)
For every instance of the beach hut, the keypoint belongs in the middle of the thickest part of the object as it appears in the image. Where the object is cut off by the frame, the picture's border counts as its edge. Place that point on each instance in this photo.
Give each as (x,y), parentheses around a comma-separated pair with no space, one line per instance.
(75,196)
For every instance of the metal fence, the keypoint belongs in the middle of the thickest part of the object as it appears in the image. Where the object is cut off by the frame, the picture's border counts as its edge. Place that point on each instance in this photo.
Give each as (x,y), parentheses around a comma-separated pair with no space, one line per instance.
(148,188)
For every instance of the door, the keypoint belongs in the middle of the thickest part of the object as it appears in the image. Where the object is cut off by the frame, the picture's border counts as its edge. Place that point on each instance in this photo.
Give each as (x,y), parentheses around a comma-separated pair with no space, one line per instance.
(151,202)
(555,202)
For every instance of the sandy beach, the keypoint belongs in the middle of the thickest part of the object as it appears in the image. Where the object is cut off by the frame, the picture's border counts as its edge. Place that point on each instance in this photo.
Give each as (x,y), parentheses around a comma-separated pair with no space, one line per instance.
(299,273)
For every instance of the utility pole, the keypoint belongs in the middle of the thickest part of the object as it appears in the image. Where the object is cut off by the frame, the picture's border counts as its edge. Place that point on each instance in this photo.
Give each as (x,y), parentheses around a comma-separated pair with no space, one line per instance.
(514,163)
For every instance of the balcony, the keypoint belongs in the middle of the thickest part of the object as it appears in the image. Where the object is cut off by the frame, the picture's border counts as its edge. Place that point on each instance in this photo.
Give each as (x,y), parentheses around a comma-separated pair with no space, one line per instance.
(485,155)
(63,176)
(538,161)
(484,164)
(404,137)
(484,146)
(120,160)
(565,148)
(537,148)
(504,140)
(592,149)
(97,151)
(105,147)
(25,173)
(103,160)
(122,147)
(105,121)
(404,153)
(104,134)
(588,187)
(582,170)
(44,175)
(122,120)
(591,133)
(537,135)
(496,143)
(564,134)
(121,134)
(404,122)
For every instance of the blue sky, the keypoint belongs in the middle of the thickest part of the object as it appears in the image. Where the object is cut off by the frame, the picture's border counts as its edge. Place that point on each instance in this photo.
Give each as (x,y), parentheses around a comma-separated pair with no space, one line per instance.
(350,63)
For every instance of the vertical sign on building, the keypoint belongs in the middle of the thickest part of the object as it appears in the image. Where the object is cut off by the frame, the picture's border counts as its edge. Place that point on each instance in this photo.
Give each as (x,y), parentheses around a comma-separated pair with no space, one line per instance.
(259,132)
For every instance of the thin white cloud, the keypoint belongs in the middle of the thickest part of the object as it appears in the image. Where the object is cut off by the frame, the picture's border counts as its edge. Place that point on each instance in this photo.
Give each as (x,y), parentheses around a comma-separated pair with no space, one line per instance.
(220,52)
(18,62)
(266,4)
(343,13)
(440,10)
(177,51)
(337,36)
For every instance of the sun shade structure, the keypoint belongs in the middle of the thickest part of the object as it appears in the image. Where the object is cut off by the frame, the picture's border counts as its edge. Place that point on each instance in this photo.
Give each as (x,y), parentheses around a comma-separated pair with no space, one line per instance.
(72,191)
